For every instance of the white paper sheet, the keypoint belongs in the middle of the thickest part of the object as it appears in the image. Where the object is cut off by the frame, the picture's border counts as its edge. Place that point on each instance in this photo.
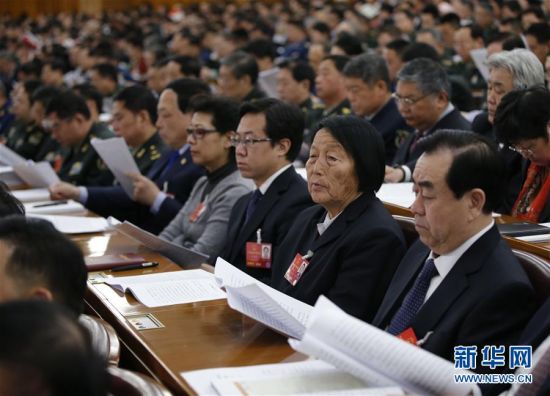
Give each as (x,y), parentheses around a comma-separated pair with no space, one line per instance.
(32,195)
(479,56)
(116,155)
(9,157)
(297,378)
(170,288)
(8,176)
(75,224)
(178,254)
(411,367)
(54,207)
(400,194)
(39,174)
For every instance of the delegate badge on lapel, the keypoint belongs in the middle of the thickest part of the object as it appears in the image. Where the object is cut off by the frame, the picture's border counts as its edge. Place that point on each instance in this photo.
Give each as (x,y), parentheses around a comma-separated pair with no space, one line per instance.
(258,254)
(297,267)
(408,336)
(197,212)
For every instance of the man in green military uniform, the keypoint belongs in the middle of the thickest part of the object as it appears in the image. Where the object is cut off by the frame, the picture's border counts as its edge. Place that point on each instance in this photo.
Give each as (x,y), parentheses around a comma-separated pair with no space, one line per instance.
(71,125)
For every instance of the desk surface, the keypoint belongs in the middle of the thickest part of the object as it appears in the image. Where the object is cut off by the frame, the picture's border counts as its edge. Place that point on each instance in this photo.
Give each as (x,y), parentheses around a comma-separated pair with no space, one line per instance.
(195,336)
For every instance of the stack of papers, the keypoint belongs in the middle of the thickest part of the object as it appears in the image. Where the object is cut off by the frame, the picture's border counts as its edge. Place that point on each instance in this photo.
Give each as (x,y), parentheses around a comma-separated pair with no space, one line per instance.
(170,288)
(8,176)
(32,195)
(75,224)
(400,194)
(310,377)
(55,207)
(39,174)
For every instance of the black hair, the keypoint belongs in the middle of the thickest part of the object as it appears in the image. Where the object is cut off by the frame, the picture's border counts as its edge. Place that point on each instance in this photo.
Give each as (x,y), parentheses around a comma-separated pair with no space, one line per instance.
(89,92)
(261,48)
(419,50)
(224,111)
(30,86)
(51,259)
(68,104)
(44,95)
(321,27)
(523,114)
(107,70)
(300,71)
(476,31)
(242,64)
(476,164)
(349,43)
(136,98)
(365,146)
(185,89)
(45,351)
(339,61)
(189,66)
(537,11)
(58,65)
(398,45)
(8,203)
(450,18)
(282,121)
(431,9)
(540,31)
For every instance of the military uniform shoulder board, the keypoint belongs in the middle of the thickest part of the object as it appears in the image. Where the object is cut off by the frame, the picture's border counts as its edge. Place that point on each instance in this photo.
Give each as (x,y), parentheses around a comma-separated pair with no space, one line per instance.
(140,153)
(84,148)
(346,111)
(35,138)
(155,156)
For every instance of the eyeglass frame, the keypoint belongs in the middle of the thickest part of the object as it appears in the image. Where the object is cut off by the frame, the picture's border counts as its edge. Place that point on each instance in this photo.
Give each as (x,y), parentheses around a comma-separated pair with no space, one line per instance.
(408,101)
(247,141)
(199,133)
(521,151)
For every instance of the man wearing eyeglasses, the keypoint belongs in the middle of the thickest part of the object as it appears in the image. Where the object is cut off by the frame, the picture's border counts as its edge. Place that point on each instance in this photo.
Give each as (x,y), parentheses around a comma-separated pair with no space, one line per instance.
(266,142)
(422,96)
(159,195)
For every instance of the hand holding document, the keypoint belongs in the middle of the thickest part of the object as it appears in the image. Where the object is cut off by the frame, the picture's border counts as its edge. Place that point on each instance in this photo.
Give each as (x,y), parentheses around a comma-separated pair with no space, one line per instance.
(9,157)
(310,377)
(32,195)
(116,155)
(261,302)
(54,207)
(36,174)
(178,254)
(400,194)
(375,356)
(169,288)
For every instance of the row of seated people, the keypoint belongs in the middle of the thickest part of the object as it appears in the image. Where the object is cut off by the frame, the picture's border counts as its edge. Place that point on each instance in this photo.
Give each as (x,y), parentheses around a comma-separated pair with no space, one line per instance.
(350,249)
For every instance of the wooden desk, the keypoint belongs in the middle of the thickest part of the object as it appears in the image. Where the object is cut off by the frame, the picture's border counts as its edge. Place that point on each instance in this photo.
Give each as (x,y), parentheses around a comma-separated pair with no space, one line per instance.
(541,249)
(195,336)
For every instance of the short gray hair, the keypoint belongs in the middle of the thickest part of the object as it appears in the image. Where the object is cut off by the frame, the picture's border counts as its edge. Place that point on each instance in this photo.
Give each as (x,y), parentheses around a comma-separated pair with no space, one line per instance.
(524,66)
(369,67)
(428,75)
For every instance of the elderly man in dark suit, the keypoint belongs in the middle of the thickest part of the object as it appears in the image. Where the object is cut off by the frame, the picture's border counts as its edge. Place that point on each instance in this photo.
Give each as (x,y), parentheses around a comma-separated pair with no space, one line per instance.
(459,284)
(266,142)
(422,96)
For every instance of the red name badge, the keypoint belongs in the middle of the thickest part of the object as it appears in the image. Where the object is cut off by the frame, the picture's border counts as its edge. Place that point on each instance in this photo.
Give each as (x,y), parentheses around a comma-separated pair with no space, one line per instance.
(258,255)
(296,269)
(197,212)
(408,336)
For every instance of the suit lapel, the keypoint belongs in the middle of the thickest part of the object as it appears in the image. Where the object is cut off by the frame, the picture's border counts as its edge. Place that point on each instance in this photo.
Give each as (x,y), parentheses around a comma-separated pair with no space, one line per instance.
(158,167)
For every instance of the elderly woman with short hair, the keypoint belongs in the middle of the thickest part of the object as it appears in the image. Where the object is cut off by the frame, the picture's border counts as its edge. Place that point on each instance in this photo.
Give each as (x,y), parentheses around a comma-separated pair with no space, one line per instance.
(348,246)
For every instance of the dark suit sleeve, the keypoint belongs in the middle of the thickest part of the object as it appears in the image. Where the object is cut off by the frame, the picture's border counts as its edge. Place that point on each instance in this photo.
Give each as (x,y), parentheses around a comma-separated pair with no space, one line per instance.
(367,266)
(112,201)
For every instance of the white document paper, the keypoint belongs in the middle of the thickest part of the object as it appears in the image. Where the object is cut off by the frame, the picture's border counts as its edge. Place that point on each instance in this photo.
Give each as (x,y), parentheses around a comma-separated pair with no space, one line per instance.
(170,288)
(36,174)
(178,254)
(54,207)
(310,377)
(75,224)
(8,176)
(536,238)
(356,346)
(261,302)
(400,194)
(32,195)
(116,155)
(9,157)
(479,56)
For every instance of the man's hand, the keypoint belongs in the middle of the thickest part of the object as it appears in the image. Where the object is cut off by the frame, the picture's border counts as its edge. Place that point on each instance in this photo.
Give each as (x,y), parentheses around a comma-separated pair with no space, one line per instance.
(62,190)
(394,175)
(145,190)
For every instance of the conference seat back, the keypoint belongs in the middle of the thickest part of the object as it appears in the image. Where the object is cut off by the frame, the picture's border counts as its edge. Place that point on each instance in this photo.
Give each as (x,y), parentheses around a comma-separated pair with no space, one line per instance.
(538,271)
(103,337)
(129,383)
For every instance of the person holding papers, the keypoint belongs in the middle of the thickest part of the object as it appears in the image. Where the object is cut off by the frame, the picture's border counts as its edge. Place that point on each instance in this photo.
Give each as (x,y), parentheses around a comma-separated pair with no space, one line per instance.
(267,141)
(134,117)
(201,224)
(459,284)
(522,123)
(160,194)
(69,119)
(348,246)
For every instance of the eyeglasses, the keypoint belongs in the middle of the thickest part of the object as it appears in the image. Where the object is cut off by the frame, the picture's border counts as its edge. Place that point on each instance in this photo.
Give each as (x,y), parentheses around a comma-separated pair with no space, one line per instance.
(199,133)
(246,141)
(521,150)
(407,101)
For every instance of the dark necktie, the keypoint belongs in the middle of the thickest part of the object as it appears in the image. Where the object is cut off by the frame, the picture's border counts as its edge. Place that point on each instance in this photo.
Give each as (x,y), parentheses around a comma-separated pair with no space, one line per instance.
(413,300)
(252,203)
(173,157)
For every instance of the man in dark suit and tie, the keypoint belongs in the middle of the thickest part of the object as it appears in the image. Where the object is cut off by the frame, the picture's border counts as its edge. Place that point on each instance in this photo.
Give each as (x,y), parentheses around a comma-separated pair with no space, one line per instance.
(460,284)
(422,96)
(267,140)
(160,194)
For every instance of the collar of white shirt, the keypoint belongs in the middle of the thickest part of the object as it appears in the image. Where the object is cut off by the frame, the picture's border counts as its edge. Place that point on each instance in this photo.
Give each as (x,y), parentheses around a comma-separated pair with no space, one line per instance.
(266,184)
